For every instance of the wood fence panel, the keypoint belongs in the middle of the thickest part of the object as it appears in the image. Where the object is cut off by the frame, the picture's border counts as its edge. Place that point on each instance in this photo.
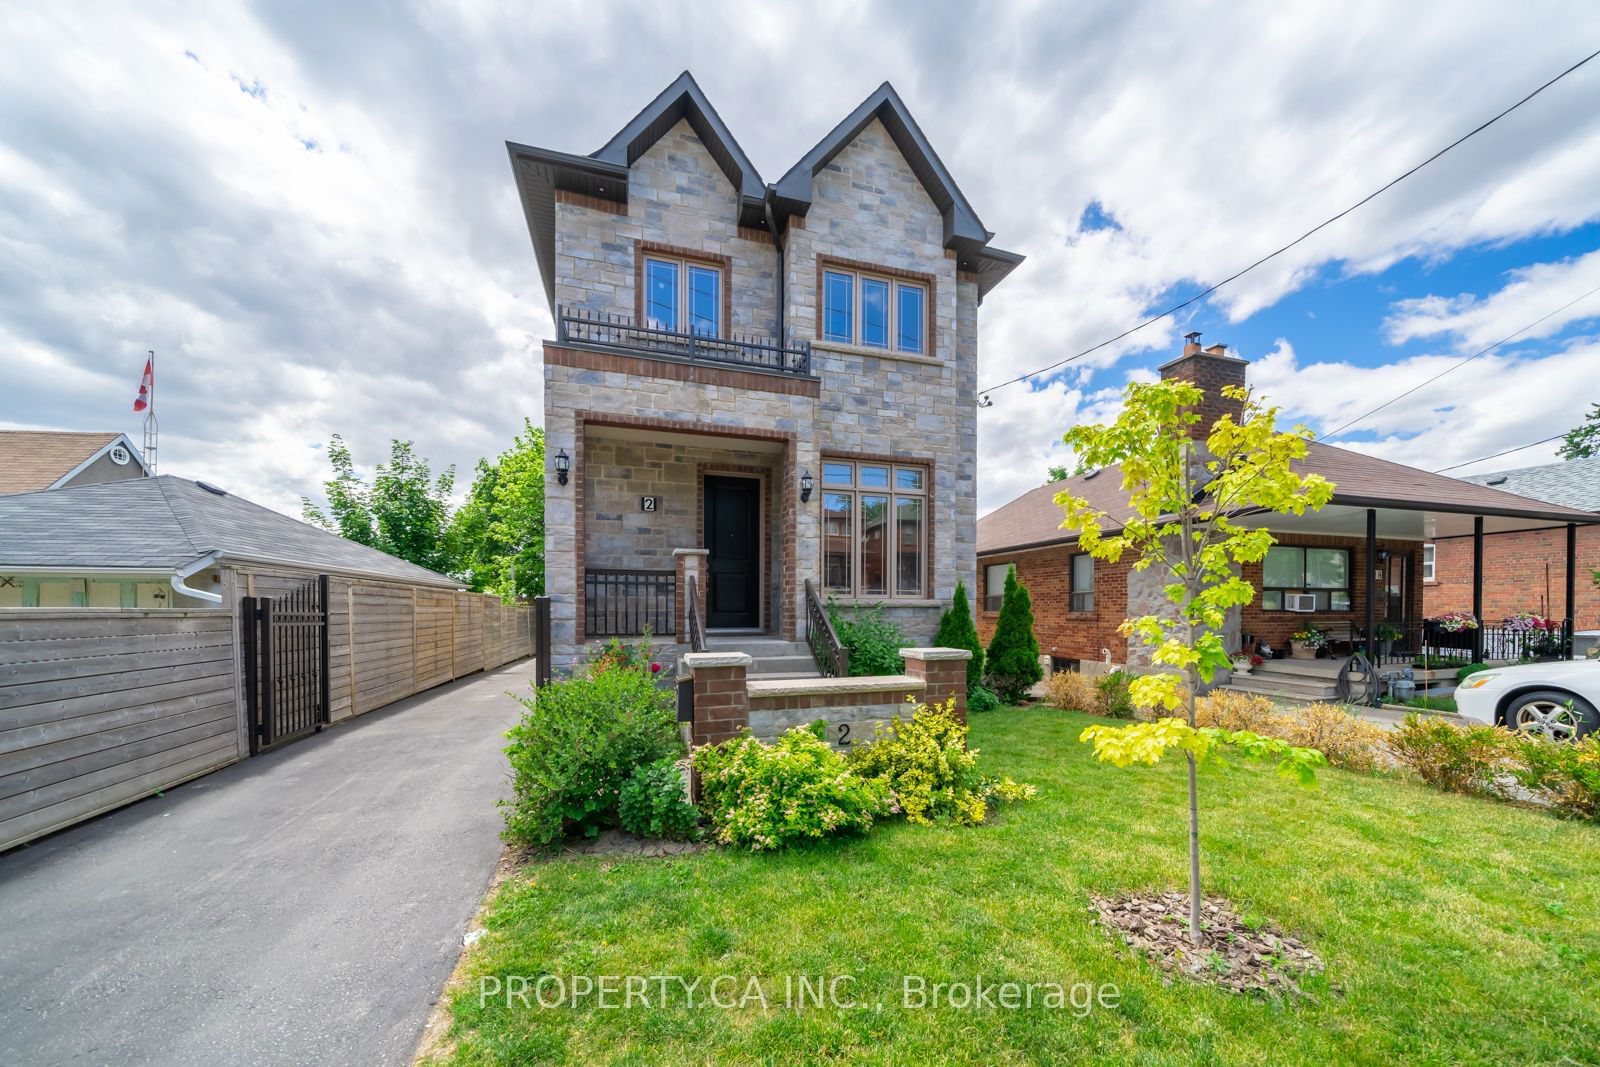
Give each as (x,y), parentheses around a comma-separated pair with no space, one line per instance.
(469,643)
(434,625)
(100,708)
(384,645)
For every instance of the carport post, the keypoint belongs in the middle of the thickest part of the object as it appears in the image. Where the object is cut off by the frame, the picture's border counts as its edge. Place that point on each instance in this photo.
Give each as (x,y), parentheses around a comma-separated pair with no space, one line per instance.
(1372,591)
(1477,587)
(1572,588)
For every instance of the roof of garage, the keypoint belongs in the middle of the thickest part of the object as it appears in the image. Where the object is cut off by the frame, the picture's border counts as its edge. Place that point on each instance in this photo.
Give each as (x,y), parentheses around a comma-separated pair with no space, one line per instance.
(166,522)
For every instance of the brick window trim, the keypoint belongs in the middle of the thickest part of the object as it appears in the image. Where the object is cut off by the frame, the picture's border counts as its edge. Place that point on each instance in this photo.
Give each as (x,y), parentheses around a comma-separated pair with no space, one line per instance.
(642,250)
(856,266)
(905,460)
(788,619)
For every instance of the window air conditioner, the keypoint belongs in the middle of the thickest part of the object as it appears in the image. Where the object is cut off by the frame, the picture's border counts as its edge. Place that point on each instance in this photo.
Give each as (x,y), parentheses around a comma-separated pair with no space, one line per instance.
(1300,602)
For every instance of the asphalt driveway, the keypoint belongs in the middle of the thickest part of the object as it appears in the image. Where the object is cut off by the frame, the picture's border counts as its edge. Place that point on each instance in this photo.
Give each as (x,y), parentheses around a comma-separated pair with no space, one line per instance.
(304,906)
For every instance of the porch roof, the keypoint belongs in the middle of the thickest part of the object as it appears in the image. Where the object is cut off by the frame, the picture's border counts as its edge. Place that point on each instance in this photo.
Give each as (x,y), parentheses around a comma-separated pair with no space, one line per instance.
(1412,504)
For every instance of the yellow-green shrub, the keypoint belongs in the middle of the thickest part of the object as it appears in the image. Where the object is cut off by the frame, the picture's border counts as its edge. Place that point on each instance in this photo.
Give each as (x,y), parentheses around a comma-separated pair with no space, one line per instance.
(1239,711)
(1345,739)
(1071,691)
(1458,759)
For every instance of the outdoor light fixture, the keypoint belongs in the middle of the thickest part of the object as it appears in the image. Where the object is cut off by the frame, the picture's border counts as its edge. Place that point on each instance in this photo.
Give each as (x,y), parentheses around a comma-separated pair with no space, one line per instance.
(563,466)
(805,487)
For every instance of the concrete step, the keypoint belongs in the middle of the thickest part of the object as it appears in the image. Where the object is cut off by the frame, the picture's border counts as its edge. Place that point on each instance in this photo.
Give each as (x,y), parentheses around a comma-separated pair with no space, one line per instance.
(758,647)
(1300,668)
(1282,687)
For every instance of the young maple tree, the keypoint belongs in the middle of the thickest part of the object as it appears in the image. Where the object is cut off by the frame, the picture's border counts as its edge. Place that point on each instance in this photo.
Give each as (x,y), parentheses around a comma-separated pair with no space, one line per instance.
(1184,499)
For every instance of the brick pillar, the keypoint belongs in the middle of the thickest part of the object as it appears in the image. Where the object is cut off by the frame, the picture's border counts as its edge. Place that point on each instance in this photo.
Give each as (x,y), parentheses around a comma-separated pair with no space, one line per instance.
(690,563)
(721,700)
(943,671)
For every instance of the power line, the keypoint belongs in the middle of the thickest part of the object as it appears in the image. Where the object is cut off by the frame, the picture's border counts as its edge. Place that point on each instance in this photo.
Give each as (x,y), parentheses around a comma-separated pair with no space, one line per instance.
(1497,455)
(1272,255)
(1462,363)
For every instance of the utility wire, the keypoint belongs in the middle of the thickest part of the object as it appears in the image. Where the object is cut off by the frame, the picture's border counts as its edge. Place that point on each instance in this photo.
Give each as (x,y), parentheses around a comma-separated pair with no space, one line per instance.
(1462,363)
(1272,255)
(1497,455)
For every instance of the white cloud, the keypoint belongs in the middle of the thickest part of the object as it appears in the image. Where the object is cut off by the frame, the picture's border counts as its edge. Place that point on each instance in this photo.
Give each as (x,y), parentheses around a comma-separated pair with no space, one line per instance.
(1532,293)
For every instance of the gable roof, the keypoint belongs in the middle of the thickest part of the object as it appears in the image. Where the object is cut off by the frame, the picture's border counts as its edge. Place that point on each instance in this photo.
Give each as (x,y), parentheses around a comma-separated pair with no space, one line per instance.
(1574,483)
(164,522)
(31,460)
(1360,480)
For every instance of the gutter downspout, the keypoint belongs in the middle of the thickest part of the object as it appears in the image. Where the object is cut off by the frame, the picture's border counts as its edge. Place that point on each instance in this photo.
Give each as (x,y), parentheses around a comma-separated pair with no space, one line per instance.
(777,241)
(188,570)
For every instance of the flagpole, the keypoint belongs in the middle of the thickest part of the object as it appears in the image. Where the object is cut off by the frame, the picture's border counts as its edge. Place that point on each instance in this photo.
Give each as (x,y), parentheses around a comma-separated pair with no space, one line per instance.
(152,428)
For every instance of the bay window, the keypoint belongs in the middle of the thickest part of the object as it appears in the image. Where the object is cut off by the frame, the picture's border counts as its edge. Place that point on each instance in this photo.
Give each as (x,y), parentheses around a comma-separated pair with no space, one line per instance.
(860,308)
(1323,572)
(874,529)
(682,296)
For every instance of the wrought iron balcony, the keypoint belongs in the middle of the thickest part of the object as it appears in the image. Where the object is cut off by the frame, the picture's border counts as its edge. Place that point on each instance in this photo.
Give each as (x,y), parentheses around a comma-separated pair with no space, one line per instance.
(598,329)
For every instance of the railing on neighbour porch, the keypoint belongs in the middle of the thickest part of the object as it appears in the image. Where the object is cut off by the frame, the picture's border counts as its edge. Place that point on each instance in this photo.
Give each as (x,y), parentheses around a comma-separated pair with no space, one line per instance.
(833,658)
(628,603)
(697,629)
(1495,643)
(602,330)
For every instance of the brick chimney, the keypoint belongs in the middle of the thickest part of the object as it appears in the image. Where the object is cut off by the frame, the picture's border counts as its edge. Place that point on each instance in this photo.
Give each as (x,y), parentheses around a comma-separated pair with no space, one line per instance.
(1210,369)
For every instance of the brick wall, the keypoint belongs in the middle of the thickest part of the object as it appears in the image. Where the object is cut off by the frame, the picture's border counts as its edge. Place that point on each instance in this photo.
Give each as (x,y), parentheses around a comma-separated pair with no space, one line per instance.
(1061,631)
(1211,369)
(1521,572)
(1274,627)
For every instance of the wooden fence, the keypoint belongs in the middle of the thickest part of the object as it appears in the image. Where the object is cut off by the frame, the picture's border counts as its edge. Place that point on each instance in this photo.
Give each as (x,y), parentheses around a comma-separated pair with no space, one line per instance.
(99,708)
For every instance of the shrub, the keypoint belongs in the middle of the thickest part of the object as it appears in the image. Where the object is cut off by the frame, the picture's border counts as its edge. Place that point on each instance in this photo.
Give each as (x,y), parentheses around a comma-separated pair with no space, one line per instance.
(1013,656)
(769,796)
(927,770)
(1565,775)
(1239,711)
(1346,740)
(578,741)
(874,641)
(1114,691)
(654,802)
(1470,669)
(1458,759)
(616,654)
(956,630)
(980,698)
(1071,691)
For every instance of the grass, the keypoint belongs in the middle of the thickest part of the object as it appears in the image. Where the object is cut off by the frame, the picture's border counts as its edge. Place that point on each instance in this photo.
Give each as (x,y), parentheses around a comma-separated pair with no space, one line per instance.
(1428,703)
(1454,929)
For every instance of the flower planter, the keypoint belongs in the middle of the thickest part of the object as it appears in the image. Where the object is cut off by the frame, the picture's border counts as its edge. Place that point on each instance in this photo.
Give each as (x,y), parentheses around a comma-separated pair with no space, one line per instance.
(1241,666)
(1302,650)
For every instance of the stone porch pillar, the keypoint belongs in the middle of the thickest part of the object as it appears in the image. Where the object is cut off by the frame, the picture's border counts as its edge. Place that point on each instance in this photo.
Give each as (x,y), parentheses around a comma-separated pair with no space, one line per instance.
(721,696)
(690,563)
(943,671)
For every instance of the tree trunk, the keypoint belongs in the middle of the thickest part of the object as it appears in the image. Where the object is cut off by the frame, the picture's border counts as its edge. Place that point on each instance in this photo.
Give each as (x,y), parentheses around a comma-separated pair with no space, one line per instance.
(1194,817)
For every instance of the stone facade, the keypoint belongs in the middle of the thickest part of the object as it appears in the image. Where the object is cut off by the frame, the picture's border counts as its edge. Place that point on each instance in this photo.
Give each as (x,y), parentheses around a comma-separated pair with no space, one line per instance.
(869,209)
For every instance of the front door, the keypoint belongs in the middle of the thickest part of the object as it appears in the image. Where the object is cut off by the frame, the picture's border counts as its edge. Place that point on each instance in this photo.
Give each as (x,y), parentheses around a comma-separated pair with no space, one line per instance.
(733,536)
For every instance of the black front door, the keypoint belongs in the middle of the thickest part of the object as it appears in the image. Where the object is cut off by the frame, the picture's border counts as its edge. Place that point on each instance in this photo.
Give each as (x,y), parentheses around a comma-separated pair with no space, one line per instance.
(733,535)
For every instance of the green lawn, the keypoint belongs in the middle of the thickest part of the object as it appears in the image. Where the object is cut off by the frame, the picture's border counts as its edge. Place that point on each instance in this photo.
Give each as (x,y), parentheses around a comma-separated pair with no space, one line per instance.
(1454,929)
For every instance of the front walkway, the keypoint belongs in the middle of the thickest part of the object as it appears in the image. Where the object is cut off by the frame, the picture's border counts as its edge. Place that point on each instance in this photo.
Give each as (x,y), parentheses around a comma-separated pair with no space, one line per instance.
(304,906)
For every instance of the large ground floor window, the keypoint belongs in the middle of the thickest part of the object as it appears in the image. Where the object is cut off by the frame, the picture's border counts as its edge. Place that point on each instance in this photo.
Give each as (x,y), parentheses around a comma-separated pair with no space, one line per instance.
(1320,573)
(874,529)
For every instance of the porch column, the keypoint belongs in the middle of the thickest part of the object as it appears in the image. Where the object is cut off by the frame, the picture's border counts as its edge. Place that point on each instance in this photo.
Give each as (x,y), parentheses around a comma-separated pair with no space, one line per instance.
(690,563)
(1372,586)
(1477,588)
(721,695)
(1572,585)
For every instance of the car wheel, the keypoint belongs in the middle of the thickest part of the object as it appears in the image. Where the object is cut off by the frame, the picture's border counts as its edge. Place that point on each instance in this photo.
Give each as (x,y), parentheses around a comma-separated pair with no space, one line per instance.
(1556,715)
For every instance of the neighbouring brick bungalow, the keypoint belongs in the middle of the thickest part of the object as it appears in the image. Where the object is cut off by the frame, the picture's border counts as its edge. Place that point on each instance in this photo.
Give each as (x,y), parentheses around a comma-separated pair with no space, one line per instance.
(1365,547)
(1524,570)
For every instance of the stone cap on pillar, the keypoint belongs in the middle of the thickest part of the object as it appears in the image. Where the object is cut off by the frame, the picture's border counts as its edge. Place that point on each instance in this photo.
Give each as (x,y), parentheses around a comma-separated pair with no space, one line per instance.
(695,660)
(935,653)
(691,552)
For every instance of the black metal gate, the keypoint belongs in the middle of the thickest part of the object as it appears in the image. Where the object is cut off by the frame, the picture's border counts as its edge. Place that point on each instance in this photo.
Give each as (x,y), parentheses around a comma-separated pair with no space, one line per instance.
(286,663)
(541,640)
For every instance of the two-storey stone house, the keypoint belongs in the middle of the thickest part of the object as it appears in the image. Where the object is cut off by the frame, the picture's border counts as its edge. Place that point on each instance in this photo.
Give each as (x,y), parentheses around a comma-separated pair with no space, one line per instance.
(760,397)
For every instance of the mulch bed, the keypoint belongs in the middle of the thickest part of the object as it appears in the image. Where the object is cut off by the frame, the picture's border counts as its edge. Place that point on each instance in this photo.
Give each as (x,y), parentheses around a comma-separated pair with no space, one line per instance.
(1254,958)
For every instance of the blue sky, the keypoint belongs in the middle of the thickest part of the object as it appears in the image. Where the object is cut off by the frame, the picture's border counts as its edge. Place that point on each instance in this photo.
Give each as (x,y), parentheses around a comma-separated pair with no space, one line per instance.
(306,209)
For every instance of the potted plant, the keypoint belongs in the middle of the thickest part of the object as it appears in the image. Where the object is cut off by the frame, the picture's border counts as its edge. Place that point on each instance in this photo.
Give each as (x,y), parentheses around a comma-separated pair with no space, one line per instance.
(1243,661)
(1387,634)
(1304,644)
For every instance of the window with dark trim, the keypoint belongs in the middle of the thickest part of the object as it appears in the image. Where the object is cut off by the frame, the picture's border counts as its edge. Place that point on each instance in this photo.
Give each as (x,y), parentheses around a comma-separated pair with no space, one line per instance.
(861,308)
(874,528)
(1083,582)
(1322,572)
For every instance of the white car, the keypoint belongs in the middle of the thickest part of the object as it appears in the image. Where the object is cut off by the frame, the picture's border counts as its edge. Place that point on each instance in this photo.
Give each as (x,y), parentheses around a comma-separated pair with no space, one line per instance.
(1556,699)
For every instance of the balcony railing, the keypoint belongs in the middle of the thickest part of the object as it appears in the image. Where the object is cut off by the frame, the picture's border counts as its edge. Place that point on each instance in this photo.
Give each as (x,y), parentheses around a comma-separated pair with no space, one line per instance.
(629,603)
(601,330)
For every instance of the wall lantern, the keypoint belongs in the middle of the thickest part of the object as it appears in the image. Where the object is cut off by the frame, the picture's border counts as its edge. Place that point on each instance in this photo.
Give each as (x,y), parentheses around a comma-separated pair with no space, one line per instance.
(563,466)
(805,487)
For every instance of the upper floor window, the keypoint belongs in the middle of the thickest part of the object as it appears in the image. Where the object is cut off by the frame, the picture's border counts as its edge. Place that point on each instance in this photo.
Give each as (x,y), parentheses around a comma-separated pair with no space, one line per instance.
(682,296)
(865,309)
(874,528)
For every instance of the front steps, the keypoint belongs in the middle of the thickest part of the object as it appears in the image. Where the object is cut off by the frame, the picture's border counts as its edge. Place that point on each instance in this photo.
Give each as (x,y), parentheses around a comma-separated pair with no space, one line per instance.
(775,659)
(1300,680)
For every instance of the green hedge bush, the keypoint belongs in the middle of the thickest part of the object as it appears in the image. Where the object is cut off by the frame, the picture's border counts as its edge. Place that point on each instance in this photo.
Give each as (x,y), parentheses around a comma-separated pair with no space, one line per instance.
(957,630)
(1013,657)
(874,641)
(578,741)
(654,802)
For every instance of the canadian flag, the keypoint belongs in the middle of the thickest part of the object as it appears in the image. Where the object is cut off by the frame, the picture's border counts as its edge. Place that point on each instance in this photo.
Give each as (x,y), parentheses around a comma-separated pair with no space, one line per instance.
(146,385)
